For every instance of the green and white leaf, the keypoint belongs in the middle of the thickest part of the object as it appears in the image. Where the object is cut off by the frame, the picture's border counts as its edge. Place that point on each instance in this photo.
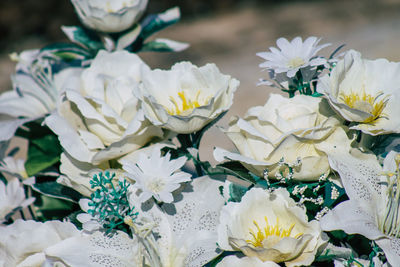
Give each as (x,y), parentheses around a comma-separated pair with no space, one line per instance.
(56,190)
(155,23)
(128,38)
(81,36)
(164,45)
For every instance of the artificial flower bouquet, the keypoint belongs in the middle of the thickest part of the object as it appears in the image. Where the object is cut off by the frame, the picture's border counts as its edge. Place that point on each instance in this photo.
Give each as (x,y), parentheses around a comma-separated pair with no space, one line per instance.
(113,175)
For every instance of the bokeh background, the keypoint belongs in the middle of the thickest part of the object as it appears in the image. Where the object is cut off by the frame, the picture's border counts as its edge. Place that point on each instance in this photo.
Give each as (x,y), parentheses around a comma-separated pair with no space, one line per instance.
(226,32)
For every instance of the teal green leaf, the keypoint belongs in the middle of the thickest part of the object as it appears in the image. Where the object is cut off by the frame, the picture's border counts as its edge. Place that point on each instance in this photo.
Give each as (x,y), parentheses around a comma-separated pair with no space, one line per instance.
(163,45)
(84,37)
(56,190)
(236,192)
(154,23)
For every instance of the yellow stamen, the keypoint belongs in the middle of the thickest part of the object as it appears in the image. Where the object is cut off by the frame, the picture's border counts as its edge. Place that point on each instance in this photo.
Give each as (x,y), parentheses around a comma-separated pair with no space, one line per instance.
(187,104)
(260,234)
(367,103)
(295,62)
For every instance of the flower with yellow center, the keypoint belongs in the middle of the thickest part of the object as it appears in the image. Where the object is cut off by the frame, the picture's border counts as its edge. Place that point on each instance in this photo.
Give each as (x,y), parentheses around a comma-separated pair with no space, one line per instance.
(365,92)
(246,227)
(302,130)
(185,98)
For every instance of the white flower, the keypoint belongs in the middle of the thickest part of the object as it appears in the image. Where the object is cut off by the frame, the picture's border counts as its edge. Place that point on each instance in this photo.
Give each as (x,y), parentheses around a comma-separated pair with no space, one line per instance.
(302,130)
(23,243)
(373,206)
(365,92)
(156,176)
(271,227)
(89,222)
(100,120)
(186,231)
(109,15)
(98,249)
(185,98)
(231,261)
(293,56)
(12,197)
(14,167)
(36,90)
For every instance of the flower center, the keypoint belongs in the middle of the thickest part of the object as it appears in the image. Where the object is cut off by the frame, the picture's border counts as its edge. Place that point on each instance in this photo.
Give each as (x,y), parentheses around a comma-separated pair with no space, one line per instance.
(367,103)
(390,223)
(156,185)
(295,62)
(262,234)
(184,103)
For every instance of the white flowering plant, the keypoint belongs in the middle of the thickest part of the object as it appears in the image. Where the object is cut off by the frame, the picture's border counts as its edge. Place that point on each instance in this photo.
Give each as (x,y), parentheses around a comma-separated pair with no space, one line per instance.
(113,175)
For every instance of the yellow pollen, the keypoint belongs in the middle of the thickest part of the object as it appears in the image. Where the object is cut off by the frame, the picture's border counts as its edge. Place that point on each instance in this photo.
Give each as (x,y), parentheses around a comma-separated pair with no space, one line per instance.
(187,104)
(295,62)
(261,234)
(367,103)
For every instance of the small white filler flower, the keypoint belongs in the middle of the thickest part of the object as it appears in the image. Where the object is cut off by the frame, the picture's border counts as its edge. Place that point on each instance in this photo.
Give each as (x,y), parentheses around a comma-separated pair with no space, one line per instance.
(293,56)
(12,197)
(156,176)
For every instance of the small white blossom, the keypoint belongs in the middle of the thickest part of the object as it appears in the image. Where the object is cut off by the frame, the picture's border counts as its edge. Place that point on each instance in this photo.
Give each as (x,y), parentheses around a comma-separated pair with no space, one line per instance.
(334,193)
(156,176)
(12,196)
(293,56)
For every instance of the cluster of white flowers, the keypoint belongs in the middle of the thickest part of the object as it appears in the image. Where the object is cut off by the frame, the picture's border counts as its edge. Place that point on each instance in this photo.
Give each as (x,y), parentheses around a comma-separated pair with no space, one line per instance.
(122,140)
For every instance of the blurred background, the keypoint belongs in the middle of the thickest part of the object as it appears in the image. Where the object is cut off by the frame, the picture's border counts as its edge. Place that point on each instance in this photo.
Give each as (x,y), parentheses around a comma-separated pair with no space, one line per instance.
(226,32)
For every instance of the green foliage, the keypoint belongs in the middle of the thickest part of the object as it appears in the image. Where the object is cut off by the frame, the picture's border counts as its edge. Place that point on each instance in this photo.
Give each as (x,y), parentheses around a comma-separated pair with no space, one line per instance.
(84,37)
(156,22)
(44,149)
(56,190)
(110,202)
(48,208)
(236,192)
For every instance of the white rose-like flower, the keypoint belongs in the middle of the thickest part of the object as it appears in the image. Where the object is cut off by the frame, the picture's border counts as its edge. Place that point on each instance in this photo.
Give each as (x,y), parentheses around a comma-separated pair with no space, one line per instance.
(232,260)
(109,15)
(302,128)
(101,119)
(185,98)
(271,227)
(365,92)
(23,243)
(12,196)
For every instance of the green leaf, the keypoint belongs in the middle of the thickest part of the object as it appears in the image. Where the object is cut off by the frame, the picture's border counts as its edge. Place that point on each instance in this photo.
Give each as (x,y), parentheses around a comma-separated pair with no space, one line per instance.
(156,22)
(86,38)
(54,209)
(234,168)
(316,94)
(69,50)
(43,152)
(236,192)
(328,201)
(163,45)
(128,38)
(56,190)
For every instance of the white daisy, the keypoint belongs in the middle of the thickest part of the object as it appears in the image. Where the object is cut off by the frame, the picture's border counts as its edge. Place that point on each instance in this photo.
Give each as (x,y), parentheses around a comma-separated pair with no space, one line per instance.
(156,176)
(14,167)
(12,197)
(293,56)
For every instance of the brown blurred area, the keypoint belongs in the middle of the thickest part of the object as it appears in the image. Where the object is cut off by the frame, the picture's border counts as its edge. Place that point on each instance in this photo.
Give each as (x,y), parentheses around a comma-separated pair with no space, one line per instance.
(226,32)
